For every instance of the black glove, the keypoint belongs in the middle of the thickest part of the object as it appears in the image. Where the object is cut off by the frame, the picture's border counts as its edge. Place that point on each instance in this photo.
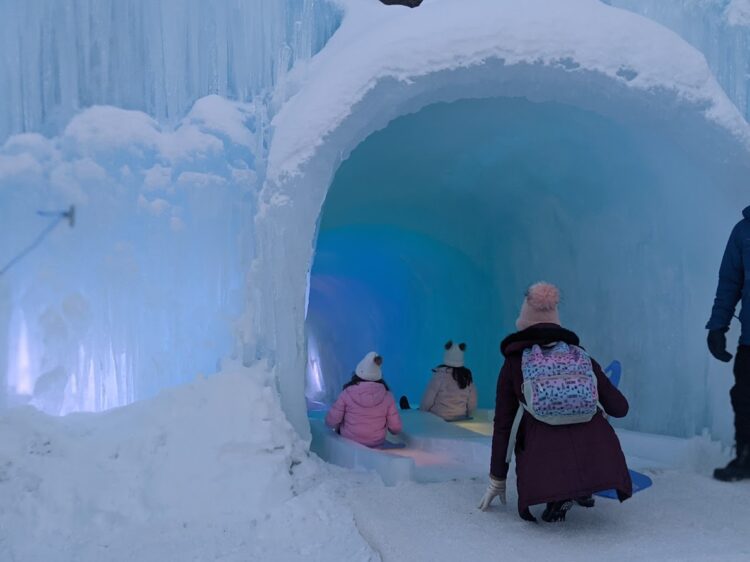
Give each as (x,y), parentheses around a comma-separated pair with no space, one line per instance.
(717,345)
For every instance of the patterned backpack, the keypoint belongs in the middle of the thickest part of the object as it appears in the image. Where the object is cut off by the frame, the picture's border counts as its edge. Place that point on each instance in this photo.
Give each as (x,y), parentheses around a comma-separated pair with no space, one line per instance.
(559,388)
(559,384)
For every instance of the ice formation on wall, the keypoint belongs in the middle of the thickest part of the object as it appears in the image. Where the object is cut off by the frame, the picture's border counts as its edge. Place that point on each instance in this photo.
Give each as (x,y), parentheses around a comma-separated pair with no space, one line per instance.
(57,57)
(720,29)
(738,12)
(142,292)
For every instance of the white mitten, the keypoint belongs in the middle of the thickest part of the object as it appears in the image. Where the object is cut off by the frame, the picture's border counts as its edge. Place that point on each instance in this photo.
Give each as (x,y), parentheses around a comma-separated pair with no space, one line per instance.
(496,489)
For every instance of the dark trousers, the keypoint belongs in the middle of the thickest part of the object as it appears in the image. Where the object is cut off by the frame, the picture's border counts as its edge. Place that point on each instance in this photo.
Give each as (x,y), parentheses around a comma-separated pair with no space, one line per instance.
(740,394)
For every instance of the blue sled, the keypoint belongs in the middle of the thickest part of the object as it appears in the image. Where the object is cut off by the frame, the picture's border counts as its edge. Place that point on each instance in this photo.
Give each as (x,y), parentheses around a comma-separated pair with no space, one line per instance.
(640,481)
(615,373)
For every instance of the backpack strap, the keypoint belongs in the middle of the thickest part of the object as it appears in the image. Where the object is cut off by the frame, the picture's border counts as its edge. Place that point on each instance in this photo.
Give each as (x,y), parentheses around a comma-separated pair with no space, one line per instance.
(514,432)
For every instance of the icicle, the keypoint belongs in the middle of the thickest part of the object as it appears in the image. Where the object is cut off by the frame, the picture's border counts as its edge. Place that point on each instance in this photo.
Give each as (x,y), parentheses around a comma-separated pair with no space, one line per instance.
(158,57)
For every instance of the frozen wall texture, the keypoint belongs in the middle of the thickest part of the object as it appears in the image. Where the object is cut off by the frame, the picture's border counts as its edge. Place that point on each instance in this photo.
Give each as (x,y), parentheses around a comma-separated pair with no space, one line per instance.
(57,57)
(141,293)
(720,29)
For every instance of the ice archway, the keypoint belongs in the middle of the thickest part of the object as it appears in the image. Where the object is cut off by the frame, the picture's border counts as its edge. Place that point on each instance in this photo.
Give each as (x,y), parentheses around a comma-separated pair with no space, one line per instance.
(610,167)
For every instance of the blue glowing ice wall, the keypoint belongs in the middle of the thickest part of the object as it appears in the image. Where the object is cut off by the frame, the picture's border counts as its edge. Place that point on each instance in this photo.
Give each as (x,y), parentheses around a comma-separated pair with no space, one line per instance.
(395,290)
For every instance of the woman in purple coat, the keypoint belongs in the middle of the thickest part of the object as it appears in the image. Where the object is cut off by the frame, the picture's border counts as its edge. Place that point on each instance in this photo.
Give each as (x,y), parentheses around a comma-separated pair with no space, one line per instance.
(556,465)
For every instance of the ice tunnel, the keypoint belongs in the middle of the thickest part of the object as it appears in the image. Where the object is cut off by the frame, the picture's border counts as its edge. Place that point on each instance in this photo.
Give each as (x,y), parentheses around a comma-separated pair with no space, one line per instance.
(425,192)
(433,227)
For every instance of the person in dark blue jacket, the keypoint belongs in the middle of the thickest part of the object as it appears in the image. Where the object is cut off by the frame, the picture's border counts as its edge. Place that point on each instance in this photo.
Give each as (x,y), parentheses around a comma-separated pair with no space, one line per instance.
(734,285)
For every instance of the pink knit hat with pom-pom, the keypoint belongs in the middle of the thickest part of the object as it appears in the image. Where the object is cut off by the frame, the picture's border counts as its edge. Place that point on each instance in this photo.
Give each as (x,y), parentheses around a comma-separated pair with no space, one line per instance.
(539,306)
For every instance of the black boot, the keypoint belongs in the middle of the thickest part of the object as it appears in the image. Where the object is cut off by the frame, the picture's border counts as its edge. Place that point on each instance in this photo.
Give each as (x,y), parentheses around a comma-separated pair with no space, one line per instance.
(410,3)
(737,469)
(586,501)
(404,403)
(556,511)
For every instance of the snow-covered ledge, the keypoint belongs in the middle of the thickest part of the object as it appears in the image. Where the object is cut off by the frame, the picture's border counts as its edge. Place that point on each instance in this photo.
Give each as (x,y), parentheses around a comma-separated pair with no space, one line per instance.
(383,64)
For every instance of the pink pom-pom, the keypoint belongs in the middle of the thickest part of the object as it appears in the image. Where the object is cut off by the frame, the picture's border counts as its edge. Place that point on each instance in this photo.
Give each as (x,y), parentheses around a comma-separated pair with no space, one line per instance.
(543,296)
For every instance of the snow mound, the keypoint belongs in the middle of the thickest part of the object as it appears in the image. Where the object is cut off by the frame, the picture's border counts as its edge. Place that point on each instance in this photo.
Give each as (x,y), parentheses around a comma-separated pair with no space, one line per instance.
(209,467)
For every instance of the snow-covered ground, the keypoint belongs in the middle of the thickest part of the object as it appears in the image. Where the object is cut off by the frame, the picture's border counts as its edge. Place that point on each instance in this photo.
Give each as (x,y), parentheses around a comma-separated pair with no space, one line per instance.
(684,516)
(213,471)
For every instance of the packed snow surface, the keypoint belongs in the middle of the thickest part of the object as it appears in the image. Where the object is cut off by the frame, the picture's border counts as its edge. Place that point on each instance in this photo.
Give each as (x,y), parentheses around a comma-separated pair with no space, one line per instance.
(682,517)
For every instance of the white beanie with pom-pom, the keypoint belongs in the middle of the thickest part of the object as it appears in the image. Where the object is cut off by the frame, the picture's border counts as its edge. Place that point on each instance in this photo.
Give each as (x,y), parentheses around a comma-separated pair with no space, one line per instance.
(539,306)
(369,368)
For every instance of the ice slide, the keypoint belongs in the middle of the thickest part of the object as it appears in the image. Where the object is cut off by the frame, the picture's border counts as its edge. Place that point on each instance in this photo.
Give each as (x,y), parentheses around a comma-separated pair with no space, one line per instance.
(438,451)
(435,450)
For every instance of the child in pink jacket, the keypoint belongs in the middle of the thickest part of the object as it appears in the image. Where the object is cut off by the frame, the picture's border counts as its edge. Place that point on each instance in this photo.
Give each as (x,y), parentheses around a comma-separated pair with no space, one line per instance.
(365,410)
